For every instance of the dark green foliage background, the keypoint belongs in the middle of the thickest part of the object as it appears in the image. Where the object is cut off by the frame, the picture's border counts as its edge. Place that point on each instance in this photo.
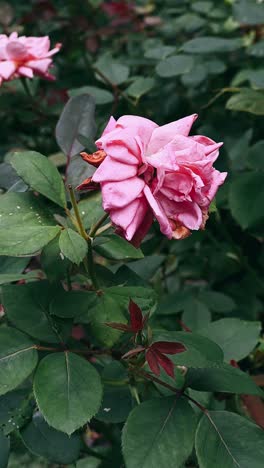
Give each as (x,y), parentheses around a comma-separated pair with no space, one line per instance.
(164,60)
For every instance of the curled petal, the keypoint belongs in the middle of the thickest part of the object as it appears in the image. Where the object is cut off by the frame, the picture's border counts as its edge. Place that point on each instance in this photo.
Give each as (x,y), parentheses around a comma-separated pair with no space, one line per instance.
(88,185)
(161,136)
(95,159)
(158,213)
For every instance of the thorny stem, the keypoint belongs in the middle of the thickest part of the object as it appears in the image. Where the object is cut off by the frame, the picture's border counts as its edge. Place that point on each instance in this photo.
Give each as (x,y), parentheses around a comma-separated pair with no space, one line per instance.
(155,379)
(77,213)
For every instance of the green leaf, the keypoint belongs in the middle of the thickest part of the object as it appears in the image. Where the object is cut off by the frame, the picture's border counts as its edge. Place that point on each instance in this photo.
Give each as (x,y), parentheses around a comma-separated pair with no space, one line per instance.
(101,96)
(116,405)
(113,71)
(140,87)
(255,157)
(88,462)
(248,12)
(4,450)
(147,266)
(174,66)
(9,179)
(40,174)
(117,248)
(53,263)
(222,378)
(159,432)
(69,304)
(200,351)
(225,439)
(15,409)
(27,307)
(247,100)
(73,394)
(211,45)
(159,53)
(216,301)
(44,441)
(12,265)
(11,277)
(73,246)
(196,314)
(77,118)
(106,309)
(257,49)
(236,337)
(18,358)
(246,200)
(91,209)
(145,297)
(26,225)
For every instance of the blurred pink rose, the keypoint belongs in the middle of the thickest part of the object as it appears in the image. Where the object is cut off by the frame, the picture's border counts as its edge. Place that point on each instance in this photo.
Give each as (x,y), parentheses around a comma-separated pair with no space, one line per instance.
(156,171)
(25,57)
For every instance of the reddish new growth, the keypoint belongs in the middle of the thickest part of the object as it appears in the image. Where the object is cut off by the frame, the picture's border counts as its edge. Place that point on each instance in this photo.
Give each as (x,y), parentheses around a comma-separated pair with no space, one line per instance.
(155,353)
(136,323)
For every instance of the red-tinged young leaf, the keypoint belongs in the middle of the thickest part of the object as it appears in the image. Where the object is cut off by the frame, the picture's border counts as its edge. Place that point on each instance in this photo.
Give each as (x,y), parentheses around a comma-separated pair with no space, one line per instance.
(168,347)
(88,185)
(118,326)
(136,317)
(165,362)
(133,352)
(152,361)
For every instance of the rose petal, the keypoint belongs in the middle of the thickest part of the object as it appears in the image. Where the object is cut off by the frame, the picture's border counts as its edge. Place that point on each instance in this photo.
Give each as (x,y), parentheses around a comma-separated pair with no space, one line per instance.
(161,136)
(111,170)
(158,213)
(119,194)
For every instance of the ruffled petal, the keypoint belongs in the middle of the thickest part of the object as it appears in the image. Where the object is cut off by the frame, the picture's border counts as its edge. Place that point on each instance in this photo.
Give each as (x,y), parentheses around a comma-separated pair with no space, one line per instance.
(120,194)
(139,126)
(111,170)
(161,136)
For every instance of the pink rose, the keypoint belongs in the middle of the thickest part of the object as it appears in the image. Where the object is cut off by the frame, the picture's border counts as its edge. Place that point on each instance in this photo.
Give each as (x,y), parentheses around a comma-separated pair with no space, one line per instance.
(156,171)
(25,57)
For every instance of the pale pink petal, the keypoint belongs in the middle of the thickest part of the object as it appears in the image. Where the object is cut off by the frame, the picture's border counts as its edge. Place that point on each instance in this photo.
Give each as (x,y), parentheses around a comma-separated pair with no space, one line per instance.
(13,35)
(191,215)
(217,179)
(161,136)
(111,170)
(7,69)
(25,71)
(123,217)
(16,51)
(39,66)
(119,194)
(139,126)
(140,223)
(110,126)
(126,151)
(158,213)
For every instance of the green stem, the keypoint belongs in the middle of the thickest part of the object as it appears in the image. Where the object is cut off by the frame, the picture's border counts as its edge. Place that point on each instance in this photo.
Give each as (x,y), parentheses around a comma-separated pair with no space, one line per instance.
(90,265)
(97,225)
(77,213)
(26,88)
